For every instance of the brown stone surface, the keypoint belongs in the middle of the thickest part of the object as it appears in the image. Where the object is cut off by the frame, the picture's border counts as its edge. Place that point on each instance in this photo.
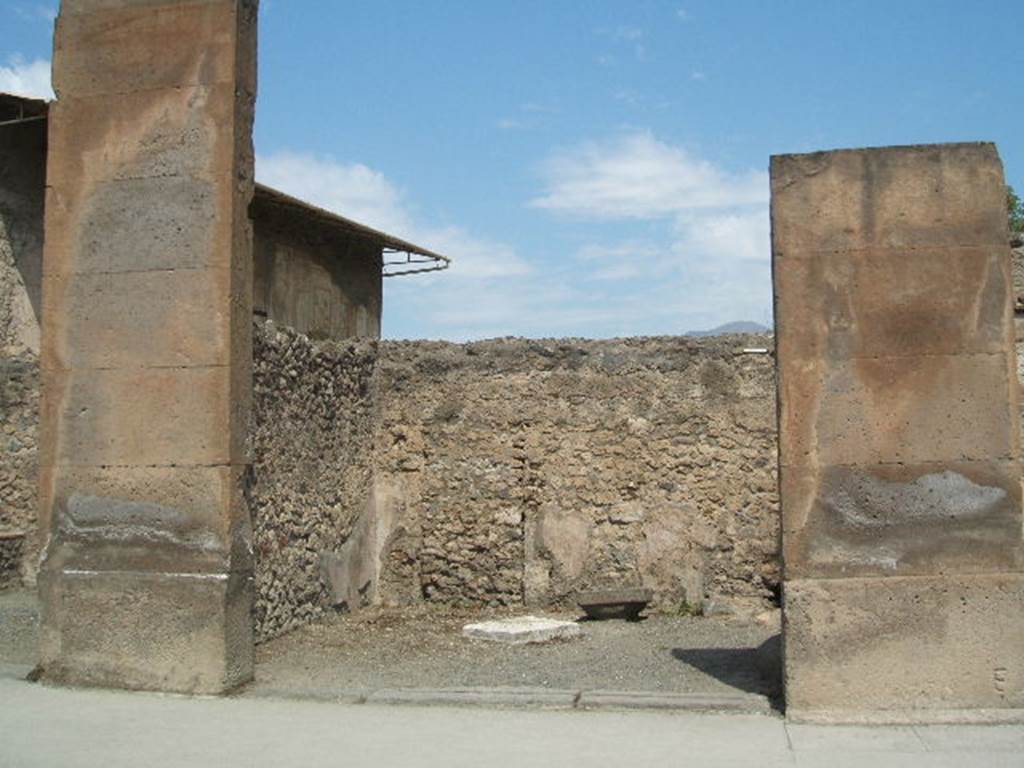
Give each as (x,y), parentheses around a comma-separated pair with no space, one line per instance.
(905,198)
(884,304)
(22,191)
(511,471)
(147,630)
(146,352)
(898,429)
(919,408)
(934,642)
(876,519)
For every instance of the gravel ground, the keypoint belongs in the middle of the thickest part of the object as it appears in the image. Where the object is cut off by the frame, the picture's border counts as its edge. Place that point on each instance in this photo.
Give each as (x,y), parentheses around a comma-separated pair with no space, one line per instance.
(423,648)
(19,626)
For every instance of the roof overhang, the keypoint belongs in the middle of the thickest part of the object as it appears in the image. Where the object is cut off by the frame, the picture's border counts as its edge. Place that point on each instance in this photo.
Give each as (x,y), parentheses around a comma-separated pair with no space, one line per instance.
(400,256)
(15,109)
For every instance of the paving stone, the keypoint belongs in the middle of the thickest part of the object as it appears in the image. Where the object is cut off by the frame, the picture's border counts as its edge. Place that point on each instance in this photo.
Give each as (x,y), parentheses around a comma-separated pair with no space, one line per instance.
(520,630)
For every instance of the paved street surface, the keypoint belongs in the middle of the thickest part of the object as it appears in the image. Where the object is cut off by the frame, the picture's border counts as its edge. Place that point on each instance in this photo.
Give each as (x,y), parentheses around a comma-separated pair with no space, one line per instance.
(42,726)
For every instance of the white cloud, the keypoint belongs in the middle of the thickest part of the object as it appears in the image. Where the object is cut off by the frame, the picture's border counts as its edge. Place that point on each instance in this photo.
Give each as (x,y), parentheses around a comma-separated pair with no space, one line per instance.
(637,176)
(358,192)
(705,257)
(350,189)
(23,78)
(481,294)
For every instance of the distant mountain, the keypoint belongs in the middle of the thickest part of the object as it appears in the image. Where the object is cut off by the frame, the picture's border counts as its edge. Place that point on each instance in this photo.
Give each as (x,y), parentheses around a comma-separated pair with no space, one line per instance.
(737,326)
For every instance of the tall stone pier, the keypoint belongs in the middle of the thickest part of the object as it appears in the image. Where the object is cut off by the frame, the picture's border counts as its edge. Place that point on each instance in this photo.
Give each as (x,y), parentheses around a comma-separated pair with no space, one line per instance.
(146,580)
(899,445)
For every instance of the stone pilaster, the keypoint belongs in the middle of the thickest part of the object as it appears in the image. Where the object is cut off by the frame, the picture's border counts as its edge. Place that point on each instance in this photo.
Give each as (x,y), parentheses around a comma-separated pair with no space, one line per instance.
(899,446)
(146,353)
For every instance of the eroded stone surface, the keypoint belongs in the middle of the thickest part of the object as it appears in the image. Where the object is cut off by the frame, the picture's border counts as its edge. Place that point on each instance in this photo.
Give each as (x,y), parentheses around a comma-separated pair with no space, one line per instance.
(899,438)
(146,350)
(522,630)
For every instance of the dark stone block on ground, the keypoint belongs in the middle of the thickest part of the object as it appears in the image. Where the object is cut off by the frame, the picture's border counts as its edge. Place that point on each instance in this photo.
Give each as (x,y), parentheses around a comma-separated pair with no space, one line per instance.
(622,603)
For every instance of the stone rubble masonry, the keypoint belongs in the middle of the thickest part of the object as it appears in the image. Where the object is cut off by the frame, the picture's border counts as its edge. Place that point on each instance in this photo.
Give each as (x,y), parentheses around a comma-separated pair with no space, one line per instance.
(22,190)
(511,472)
(898,440)
(146,352)
(312,442)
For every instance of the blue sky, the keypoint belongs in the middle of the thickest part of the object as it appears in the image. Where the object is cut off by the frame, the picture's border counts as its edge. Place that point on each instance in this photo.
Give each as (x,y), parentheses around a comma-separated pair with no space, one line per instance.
(595,168)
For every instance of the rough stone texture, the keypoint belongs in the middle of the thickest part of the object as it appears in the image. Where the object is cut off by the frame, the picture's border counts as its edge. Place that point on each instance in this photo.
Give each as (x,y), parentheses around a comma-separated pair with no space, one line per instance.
(510,472)
(525,471)
(915,643)
(19,429)
(146,349)
(519,630)
(898,446)
(22,188)
(312,438)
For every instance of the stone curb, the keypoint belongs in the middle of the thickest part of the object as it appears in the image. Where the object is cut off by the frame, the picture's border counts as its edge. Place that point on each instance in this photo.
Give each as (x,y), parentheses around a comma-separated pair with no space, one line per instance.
(744,703)
(734,703)
(483,697)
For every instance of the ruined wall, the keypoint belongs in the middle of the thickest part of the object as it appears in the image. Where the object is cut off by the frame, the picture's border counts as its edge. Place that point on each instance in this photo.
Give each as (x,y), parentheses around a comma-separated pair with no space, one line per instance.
(22,186)
(511,472)
(521,471)
(311,439)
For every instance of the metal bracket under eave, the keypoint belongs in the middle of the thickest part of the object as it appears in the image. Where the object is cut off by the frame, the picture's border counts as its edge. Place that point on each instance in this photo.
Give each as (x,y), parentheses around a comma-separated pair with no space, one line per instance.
(413,263)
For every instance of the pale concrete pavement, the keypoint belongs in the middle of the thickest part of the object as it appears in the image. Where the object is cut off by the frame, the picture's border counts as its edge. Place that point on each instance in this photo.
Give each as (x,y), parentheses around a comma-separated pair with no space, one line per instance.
(42,726)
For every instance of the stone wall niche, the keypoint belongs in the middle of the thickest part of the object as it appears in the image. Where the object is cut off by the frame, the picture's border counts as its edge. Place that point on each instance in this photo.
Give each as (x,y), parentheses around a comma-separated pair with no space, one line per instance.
(146,579)
(899,449)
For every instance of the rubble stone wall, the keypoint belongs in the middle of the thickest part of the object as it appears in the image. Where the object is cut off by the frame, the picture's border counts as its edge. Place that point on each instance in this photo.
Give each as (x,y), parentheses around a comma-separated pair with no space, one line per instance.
(22,187)
(311,440)
(520,471)
(510,472)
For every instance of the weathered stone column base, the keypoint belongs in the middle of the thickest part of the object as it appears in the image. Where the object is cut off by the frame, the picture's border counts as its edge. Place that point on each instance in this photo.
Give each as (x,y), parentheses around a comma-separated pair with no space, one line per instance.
(905,649)
(174,632)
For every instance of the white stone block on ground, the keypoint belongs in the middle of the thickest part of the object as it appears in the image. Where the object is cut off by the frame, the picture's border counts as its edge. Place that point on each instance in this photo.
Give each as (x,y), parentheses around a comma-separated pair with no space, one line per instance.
(522,629)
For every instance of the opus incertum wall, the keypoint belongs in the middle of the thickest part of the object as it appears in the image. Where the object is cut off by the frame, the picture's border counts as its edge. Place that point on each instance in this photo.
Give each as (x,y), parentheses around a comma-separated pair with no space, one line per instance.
(899,448)
(146,354)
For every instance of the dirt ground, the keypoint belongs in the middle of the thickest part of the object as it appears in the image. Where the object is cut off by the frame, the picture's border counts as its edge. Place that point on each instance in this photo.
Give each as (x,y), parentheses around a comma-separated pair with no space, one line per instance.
(423,648)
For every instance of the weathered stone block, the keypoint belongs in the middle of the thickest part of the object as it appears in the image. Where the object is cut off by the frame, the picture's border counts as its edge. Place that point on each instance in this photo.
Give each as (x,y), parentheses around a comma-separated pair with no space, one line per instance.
(139,319)
(874,645)
(103,47)
(199,508)
(139,416)
(901,519)
(521,630)
(159,133)
(836,307)
(180,631)
(912,409)
(181,232)
(898,428)
(914,197)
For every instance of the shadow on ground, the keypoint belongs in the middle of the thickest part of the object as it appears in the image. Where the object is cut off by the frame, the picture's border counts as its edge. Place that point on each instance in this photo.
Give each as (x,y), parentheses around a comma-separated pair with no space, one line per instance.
(754,670)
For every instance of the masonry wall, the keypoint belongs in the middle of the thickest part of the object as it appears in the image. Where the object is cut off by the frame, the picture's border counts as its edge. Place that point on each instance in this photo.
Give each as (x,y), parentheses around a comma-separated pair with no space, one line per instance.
(511,472)
(22,188)
(311,445)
